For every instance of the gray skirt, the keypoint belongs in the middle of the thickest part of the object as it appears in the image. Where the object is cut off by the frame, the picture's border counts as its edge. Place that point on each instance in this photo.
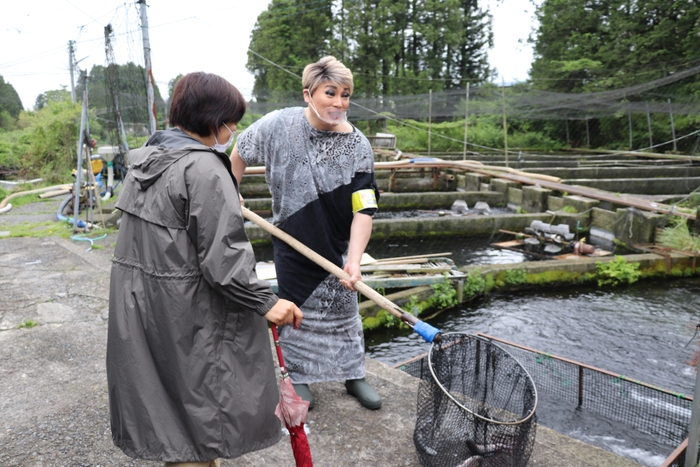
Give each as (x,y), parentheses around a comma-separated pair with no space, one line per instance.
(329,345)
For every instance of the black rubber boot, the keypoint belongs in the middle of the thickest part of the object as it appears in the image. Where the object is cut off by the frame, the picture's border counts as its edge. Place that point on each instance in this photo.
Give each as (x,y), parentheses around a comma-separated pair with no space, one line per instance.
(304,392)
(363,392)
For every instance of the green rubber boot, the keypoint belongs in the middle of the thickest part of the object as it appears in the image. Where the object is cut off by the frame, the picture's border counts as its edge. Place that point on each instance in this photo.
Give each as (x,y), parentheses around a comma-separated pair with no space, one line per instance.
(363,392)
(304,392)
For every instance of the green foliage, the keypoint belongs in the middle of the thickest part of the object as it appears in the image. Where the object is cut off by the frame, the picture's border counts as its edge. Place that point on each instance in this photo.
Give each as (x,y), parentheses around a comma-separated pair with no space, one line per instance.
(127,84)
(412,306)
(46,229)
(58,95)
(616,272)
(474,284)
(569,209)
(559,276)
(291,34)
(449,136)
(514,277)
(391,47)
(40,229)
(444,294)
(171,85)
(583,47)
(27,324)
(27,199)
(607,44)
(52,140)
(676,235)
(10,104)
(13,147)
(490,283)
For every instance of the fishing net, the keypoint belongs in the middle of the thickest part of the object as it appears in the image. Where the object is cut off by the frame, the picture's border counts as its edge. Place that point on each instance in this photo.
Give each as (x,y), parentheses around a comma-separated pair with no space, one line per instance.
(476,406)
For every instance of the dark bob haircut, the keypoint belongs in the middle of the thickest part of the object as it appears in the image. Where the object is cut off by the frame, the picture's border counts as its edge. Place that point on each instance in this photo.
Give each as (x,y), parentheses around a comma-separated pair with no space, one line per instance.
(201,102)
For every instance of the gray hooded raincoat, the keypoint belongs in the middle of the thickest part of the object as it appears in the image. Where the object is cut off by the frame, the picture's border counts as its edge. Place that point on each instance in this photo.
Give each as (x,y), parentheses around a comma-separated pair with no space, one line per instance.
(189,363)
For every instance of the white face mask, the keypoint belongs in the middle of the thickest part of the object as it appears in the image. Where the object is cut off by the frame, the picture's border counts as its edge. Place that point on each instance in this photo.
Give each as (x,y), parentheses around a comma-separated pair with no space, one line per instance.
(331,115)
(223,147)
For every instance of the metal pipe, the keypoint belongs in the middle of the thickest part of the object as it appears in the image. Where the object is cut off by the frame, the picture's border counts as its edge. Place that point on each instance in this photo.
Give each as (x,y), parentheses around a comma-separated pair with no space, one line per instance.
(79,171)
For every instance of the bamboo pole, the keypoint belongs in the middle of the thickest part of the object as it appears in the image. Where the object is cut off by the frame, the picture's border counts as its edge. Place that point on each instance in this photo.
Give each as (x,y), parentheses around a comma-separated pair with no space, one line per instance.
(428,332)
(466,121)
(505,124)
(430,118)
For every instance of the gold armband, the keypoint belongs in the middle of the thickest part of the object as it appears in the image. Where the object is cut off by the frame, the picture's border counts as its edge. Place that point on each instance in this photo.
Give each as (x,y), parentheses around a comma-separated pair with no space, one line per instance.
(363,199)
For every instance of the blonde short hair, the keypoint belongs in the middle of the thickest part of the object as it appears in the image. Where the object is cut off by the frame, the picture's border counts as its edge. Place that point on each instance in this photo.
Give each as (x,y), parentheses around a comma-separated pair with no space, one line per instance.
(326,69)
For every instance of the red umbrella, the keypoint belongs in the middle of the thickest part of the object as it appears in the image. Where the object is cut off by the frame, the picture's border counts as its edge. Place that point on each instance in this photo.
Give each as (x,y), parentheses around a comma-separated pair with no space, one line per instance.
(292,410)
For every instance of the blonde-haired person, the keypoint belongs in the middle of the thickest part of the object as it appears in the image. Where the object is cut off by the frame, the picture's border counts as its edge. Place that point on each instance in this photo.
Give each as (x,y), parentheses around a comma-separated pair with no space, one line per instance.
(320,172)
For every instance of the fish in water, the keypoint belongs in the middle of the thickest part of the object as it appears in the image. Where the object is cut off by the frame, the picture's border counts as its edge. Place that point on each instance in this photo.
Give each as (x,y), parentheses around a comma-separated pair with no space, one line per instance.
(474,461)
(485,450)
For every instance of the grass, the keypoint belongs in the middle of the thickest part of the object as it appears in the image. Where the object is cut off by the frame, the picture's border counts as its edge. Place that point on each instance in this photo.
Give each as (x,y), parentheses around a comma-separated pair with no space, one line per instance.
(679,237)
(49,229)
(27,324)
(39,229)
(28,199)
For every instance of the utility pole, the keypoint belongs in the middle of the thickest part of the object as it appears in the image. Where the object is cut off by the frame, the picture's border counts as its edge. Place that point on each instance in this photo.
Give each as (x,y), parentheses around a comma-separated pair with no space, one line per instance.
(71,64)
(149,71)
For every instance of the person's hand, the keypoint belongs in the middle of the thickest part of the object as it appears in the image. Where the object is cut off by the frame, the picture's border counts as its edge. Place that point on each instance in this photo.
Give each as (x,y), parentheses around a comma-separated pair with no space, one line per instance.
(284,312)
(353,270)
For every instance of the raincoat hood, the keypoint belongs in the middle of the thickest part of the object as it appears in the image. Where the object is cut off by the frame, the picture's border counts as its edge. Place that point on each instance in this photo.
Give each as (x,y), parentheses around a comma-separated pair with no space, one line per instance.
(150,163)
(172,144)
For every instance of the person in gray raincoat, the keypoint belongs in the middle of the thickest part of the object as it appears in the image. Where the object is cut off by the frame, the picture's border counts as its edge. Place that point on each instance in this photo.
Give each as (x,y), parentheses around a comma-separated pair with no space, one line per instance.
(189,363)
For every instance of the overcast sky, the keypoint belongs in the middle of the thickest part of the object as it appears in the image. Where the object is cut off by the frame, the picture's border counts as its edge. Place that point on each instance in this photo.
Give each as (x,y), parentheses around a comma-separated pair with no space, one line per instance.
(185,36)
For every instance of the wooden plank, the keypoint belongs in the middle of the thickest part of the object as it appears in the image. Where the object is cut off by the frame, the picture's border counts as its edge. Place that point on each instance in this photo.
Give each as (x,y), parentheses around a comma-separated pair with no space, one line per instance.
(429,255)
(408,281)
(406,268)
(402,261)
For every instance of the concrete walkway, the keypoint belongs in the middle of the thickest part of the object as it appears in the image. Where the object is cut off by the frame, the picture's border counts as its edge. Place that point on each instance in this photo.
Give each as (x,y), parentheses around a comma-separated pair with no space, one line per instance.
(53,391)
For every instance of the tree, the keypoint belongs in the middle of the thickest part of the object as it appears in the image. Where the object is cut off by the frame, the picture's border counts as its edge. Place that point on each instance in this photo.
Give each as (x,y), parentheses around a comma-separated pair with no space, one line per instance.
(599,45)
(171,86)
(290,34)
(391,46)
(412,47)
(10,104)
(52,138)
(57,95)
(594,45)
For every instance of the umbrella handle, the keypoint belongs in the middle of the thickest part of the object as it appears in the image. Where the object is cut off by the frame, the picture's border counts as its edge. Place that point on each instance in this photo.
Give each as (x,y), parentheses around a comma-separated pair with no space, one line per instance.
(278,348)
(426,331)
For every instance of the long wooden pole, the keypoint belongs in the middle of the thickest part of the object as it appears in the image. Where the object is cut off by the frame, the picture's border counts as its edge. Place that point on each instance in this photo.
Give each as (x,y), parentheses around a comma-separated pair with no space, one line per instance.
(429,333)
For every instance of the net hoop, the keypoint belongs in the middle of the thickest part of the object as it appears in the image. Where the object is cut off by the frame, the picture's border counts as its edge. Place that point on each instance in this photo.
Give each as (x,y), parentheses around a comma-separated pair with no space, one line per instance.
(462,406)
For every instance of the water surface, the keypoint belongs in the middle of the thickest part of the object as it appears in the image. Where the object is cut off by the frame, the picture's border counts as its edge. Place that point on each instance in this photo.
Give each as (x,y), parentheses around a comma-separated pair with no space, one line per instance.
(640,331)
